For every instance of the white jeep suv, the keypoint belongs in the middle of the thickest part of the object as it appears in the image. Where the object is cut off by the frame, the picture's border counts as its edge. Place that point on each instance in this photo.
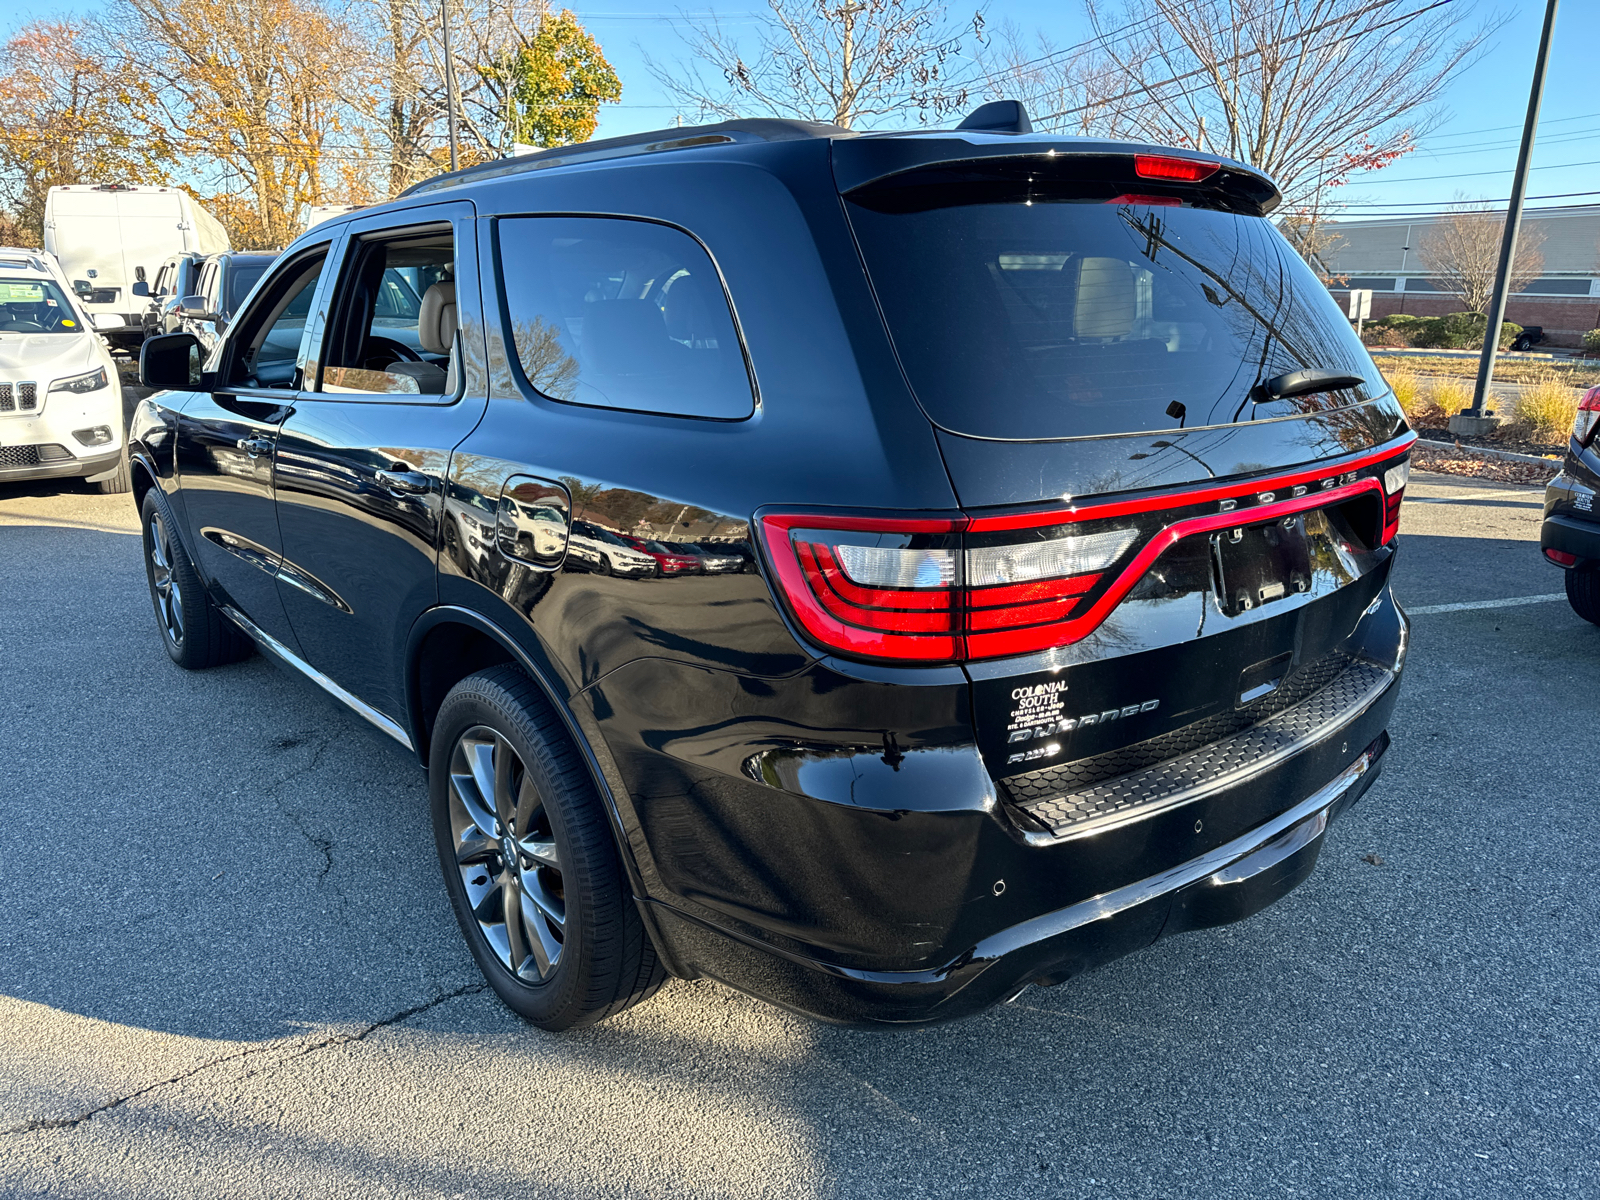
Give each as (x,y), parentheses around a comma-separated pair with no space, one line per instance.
(60,397)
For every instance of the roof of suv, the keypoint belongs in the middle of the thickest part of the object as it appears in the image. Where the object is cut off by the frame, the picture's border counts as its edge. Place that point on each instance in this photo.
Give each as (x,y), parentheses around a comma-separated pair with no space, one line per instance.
(910,148)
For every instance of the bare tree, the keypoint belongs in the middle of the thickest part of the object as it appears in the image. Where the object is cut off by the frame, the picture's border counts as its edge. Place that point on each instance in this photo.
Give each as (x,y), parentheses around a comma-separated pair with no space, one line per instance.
(1462,252)
(846,62)
(1309,91)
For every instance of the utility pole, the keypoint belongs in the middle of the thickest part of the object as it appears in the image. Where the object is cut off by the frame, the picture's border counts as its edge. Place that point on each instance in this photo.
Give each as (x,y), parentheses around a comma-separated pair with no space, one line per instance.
(449,79)
(1476,419)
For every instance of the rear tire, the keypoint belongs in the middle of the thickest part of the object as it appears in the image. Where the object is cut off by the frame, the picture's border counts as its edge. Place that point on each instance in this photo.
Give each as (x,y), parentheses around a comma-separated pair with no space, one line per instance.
(1583,593)
(193,629)
(529,859)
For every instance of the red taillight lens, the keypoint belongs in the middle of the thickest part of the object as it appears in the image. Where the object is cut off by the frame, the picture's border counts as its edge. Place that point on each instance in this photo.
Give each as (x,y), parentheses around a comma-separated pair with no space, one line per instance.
(1560,557)
(1588,418)
(1180,170)
(872,588)
(958,588)
(1394,489)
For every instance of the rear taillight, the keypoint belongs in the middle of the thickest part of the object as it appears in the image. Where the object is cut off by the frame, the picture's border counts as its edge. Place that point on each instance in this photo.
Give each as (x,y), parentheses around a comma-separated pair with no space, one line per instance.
(1180,170)
(957,588)
(874,588)
(1394,489)
(1583,426)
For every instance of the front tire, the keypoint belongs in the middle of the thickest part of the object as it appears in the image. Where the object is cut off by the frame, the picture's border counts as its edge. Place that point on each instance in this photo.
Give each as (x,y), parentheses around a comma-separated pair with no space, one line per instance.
(118,483)
(529,860)
(195,632)
(1583,593)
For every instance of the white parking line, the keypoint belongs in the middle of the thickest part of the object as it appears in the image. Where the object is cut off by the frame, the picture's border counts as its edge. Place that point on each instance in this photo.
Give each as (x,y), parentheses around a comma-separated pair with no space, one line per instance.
(1468,606)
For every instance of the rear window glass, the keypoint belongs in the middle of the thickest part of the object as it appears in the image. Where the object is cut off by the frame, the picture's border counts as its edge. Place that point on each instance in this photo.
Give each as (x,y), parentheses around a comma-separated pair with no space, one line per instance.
(240,281)
(1045,318)
(621,314)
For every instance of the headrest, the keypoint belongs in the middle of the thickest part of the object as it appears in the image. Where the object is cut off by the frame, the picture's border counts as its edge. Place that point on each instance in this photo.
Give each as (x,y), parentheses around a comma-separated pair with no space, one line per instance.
(1106,301)
(687,310)
(624,337)
(436,325)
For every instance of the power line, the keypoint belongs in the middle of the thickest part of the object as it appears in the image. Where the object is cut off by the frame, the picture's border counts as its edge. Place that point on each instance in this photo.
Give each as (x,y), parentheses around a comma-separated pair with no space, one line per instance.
(1474,174)
(1147,89)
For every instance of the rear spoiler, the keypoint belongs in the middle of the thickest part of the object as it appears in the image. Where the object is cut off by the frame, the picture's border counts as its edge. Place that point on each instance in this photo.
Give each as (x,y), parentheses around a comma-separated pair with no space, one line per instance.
(869,167)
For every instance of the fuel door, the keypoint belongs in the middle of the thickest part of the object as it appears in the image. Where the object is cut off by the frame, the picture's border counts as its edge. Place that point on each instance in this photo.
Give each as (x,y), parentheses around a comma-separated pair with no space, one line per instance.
(532,522)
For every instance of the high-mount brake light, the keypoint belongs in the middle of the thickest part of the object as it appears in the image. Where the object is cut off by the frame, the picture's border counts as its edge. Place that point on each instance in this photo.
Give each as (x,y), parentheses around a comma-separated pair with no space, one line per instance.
(1179,170)
(961,588)
(1135,198)
(1588,418)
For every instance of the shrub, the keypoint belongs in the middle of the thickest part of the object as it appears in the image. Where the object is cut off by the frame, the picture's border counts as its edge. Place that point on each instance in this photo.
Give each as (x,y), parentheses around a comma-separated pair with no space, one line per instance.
(1545,411)
(1383,336)
(1591,340)
(1458,331)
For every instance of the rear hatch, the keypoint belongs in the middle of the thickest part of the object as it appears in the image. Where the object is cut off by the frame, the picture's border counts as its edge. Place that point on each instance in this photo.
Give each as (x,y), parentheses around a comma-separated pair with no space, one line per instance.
(1179,468)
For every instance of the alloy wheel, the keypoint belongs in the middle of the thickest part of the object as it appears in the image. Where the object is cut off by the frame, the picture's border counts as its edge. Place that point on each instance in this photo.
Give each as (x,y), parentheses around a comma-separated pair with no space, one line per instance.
(164,582)
(506,853)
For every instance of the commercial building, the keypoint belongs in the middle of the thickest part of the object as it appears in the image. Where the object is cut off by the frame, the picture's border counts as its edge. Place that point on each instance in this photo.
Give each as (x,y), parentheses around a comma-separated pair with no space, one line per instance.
(1383,255)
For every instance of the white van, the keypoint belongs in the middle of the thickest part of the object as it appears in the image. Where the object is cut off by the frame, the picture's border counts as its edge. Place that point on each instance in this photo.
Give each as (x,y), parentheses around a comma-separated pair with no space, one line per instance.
(112,237)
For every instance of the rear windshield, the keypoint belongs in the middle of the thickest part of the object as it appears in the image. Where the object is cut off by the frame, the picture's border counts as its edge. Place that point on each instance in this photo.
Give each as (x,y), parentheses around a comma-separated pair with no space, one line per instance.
(1057,318)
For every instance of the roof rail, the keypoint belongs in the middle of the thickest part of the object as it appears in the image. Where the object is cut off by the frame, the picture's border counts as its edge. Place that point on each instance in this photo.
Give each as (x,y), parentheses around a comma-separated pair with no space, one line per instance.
(756,129)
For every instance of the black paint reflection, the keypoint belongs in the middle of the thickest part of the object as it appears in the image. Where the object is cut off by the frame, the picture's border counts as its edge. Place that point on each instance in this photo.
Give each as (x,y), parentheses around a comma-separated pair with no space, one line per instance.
(572,557)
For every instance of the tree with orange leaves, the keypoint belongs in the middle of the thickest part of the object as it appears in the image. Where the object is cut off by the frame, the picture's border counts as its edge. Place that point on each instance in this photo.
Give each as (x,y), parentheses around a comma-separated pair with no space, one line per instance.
(63,116)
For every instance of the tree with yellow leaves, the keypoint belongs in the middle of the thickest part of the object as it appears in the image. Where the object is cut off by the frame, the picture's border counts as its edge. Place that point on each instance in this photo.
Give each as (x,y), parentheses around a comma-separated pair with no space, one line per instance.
(556,82)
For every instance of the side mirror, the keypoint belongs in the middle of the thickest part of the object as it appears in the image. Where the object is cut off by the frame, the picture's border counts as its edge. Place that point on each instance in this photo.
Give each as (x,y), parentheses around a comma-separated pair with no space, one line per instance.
(141,288)
(138,274)
(82,287)
(193,306)
(105,321)
(170,362)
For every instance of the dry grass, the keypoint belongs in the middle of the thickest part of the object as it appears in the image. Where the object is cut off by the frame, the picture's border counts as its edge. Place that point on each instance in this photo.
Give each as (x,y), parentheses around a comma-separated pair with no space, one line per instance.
(1506,370)
(1449,396)
(1545,410)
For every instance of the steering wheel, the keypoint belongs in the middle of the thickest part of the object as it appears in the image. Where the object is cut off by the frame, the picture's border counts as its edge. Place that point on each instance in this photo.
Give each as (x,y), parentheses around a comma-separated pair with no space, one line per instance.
(377,347)
(21,326)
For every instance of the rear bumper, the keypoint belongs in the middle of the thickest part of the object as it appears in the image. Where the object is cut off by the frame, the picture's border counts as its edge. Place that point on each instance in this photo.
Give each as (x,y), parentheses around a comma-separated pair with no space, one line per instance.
(1229,883)
(1572,535)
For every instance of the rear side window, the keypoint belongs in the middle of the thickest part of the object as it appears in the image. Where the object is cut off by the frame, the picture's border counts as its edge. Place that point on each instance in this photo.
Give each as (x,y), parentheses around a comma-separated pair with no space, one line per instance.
(619,313)
(1057,317)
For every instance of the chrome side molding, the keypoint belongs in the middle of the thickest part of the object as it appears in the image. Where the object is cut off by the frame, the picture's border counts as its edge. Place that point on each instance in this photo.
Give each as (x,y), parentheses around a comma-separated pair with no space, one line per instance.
(273,648)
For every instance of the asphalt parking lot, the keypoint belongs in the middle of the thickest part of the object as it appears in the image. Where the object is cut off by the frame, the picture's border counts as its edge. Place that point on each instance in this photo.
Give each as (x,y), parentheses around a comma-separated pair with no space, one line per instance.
(228,968)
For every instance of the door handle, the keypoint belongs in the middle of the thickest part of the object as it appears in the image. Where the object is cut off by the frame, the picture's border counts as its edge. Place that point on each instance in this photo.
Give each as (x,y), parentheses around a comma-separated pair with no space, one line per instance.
(255,446)
(409,482)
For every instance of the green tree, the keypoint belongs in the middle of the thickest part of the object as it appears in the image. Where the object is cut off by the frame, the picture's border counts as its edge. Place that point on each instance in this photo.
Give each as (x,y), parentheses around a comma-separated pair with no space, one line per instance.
(557,82)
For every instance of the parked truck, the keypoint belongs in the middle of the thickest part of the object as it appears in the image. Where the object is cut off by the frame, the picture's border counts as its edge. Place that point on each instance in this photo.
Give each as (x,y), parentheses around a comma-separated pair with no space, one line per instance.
(111,237)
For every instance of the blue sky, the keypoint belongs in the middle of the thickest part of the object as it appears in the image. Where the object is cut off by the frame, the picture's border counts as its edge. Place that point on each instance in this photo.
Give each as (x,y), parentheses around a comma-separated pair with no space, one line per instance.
(1472,152)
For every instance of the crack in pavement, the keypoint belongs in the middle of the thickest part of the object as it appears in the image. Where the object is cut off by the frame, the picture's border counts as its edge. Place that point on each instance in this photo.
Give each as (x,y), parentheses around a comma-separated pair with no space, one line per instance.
(296,818)
(295,1050)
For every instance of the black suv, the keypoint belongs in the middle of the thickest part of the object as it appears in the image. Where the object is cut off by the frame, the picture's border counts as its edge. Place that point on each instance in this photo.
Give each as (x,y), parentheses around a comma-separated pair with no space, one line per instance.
(1570,536)
(222,284)
(1073,500)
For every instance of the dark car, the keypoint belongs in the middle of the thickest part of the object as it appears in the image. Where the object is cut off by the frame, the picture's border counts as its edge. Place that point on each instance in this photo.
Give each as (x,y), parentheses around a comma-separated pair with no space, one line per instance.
(1570,536)
(221,285)
(176,278)
(1074,500)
